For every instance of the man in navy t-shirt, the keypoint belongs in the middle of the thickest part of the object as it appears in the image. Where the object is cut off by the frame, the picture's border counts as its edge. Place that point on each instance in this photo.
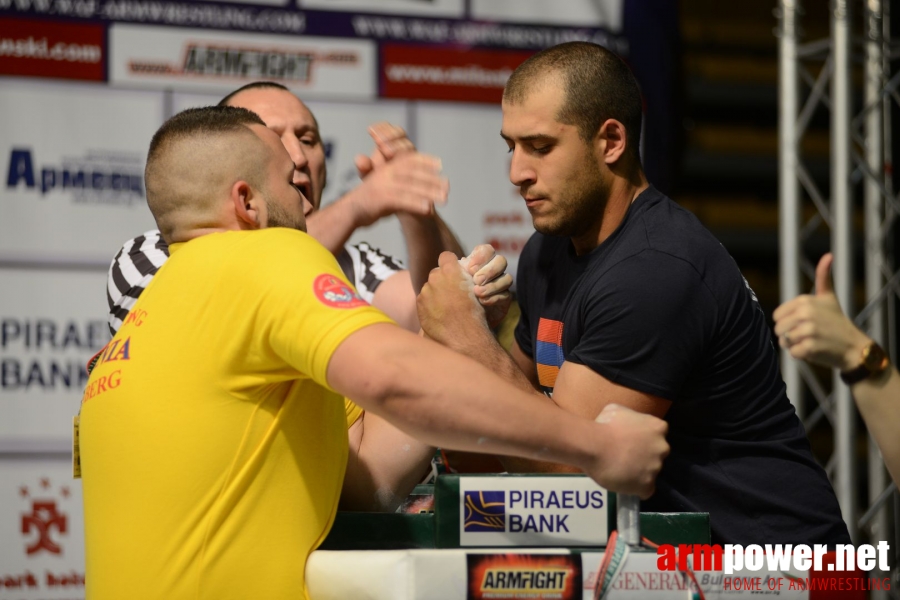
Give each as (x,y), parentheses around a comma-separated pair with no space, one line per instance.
(627,299)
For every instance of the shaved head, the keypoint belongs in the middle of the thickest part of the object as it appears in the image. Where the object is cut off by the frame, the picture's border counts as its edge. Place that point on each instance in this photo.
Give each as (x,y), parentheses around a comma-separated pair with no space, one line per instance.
(194,159)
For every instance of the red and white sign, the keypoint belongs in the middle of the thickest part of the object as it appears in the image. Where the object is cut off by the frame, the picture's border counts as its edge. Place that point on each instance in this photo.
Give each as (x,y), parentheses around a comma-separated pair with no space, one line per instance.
(50,49)
(428,73)
(162,57)
(42,528)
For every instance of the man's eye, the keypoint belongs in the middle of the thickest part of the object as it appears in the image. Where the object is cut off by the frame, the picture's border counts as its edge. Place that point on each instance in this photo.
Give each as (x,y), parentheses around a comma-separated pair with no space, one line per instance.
(309,141)
(542,149)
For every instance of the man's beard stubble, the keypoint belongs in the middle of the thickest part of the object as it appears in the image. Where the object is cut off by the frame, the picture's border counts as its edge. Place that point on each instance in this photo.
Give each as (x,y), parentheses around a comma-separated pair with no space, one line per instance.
(279,217)
(581,209)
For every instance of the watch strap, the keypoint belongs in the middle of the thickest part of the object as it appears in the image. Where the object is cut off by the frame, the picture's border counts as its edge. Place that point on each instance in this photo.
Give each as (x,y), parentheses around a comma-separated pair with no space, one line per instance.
(874,362)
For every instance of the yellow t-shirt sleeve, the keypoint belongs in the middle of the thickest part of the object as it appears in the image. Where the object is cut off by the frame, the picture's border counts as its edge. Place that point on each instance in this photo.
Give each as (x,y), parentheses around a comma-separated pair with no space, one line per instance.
(308,307)
(353,411)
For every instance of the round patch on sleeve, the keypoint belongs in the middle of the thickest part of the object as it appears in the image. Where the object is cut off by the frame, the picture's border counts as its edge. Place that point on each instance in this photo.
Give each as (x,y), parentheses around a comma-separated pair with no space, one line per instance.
(331,291)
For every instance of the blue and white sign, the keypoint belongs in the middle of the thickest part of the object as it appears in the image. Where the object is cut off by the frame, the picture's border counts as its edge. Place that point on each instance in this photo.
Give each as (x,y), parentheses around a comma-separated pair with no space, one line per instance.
(532,511)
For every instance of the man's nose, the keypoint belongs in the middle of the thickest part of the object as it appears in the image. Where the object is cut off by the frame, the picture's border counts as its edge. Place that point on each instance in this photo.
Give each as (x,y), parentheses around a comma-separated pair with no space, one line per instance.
(296,151)
(520,172)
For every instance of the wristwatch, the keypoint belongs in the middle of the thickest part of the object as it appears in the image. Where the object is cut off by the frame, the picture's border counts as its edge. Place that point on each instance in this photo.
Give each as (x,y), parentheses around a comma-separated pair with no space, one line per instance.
(874,362)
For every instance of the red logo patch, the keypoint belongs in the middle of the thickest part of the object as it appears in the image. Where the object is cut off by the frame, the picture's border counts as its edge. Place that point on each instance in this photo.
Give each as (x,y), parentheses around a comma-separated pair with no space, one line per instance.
(331,291)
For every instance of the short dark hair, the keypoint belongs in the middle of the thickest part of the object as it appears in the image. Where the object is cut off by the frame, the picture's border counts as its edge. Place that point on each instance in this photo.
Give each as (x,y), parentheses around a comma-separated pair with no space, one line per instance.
(598,86)
(205,120)
(256,85)
(175,189)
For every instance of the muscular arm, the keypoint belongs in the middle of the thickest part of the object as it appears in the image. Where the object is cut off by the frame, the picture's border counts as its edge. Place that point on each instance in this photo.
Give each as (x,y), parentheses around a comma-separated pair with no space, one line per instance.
(448,400)
(395,180)
(383,466)
(426,237)
(394,297)
(586,393)
(333,225)
(447,316)
(409,183)
(409,187)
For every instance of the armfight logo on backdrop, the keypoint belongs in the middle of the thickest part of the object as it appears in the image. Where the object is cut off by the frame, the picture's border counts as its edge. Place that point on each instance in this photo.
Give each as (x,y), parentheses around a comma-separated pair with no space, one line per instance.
(164,57)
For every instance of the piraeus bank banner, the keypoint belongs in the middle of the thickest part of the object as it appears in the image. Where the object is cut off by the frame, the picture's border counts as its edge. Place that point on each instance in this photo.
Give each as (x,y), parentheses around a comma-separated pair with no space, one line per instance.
(532,511)
(51,323)
(164,58)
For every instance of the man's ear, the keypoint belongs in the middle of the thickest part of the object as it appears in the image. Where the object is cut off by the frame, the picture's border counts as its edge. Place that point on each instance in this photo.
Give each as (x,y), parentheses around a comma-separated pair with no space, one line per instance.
(249,208)
(611,141)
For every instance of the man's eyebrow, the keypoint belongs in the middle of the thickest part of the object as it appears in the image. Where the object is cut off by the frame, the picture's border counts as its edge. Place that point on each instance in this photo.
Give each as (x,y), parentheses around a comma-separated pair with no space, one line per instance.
(534,137)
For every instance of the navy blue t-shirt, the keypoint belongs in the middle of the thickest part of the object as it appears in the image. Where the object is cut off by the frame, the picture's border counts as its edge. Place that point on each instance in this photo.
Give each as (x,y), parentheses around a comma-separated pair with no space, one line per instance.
(661,307)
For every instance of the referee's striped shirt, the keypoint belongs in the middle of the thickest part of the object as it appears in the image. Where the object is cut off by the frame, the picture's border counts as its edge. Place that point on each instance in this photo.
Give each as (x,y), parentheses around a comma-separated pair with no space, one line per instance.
(141,257)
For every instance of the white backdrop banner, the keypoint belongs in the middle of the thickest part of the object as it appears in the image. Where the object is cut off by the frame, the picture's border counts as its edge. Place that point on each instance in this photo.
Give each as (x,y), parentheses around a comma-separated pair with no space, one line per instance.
(579,13)
(484,206)
(51,323)
(164,57)
(454,9)
(42,531)
(73,170)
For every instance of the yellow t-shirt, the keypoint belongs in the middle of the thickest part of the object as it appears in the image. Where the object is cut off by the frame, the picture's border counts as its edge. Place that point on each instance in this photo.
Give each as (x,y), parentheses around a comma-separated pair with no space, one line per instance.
(213,452)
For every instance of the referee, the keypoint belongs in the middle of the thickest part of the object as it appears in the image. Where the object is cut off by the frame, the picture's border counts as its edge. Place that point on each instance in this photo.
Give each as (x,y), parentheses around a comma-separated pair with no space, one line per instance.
(408,187)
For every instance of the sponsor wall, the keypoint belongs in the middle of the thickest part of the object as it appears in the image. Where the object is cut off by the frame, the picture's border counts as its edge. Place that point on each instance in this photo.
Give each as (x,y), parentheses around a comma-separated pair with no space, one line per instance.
(72,156)
(51,322)
(42,528)
(71,186)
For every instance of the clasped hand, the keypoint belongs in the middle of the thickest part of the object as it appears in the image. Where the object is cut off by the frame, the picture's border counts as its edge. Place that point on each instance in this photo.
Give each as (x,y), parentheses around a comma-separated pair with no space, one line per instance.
(466,295)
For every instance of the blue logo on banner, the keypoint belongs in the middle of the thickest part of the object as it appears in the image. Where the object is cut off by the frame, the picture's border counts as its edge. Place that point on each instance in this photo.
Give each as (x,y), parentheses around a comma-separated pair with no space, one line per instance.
(485,511)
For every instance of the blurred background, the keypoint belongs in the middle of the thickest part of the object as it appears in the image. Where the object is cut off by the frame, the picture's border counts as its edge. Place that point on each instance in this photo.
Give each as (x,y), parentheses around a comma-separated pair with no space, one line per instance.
(772,121)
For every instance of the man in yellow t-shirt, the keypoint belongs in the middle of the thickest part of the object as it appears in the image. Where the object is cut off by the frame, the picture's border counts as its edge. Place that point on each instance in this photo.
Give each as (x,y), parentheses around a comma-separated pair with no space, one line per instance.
(213,432)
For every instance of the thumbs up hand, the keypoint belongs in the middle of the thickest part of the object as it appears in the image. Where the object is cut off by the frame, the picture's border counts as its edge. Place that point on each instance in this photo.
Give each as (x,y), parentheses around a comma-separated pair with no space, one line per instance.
(813,327)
